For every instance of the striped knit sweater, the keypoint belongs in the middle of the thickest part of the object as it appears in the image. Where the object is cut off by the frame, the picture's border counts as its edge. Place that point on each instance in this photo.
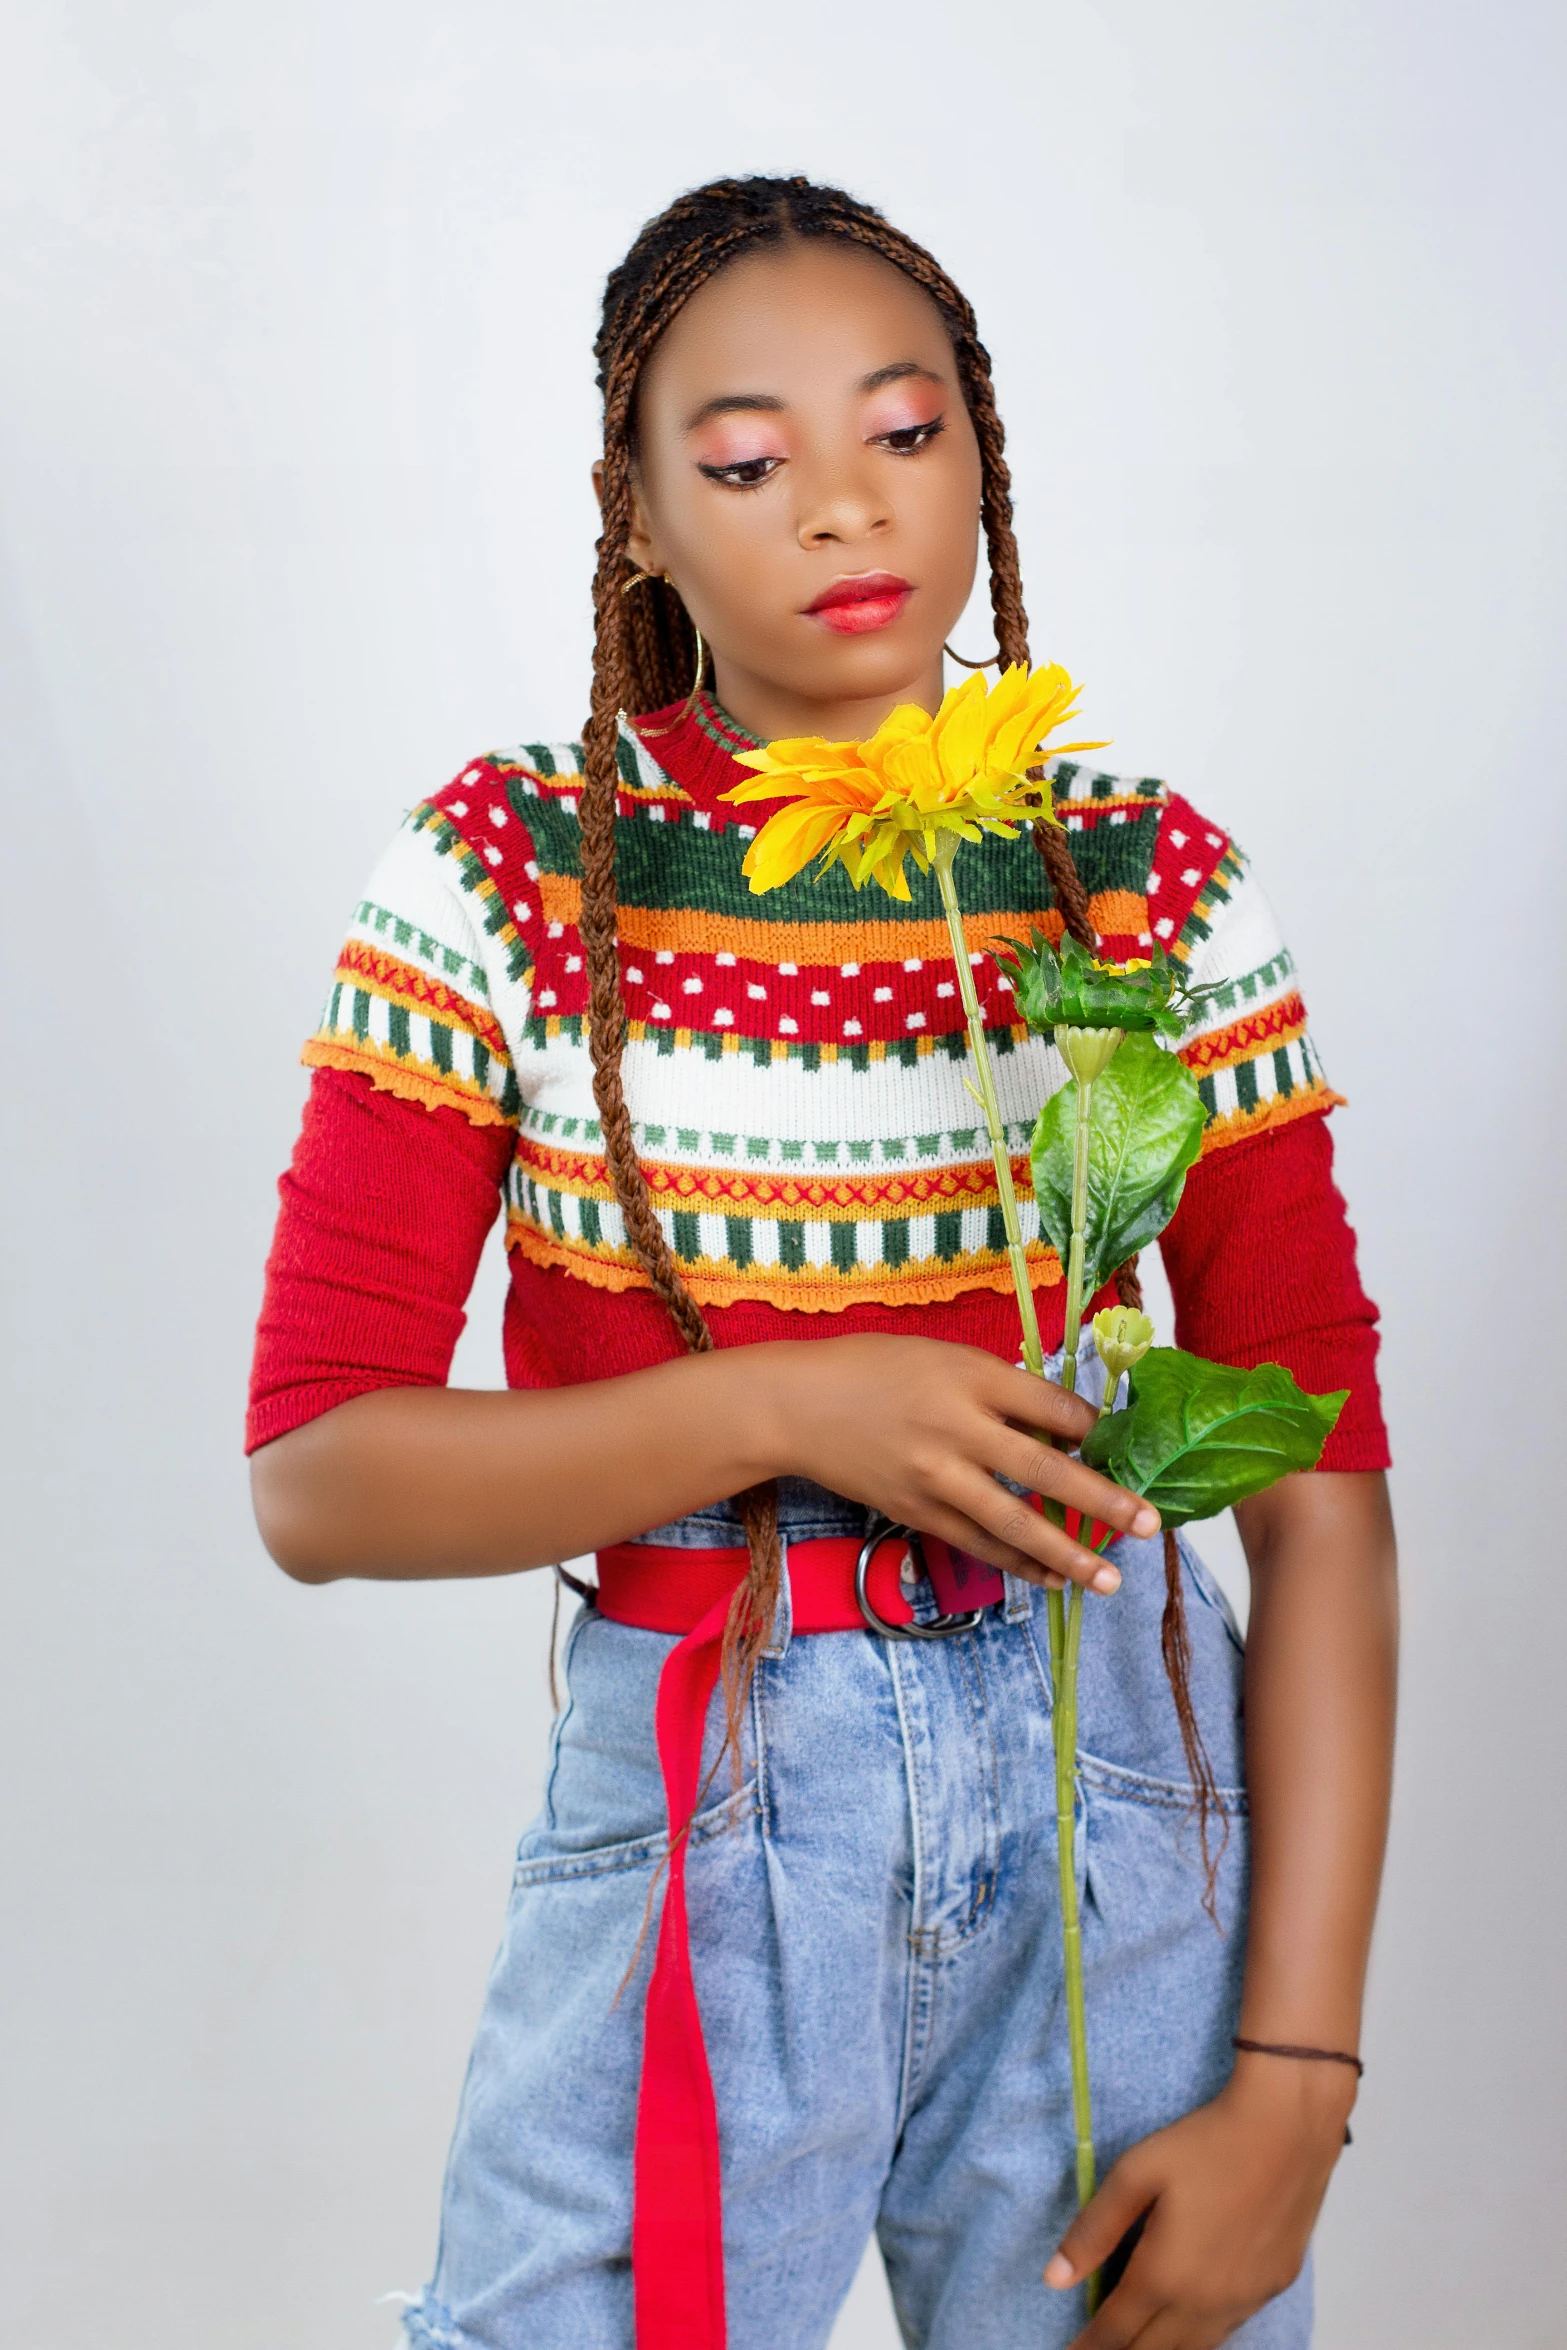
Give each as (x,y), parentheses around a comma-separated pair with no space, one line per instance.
(795,1064)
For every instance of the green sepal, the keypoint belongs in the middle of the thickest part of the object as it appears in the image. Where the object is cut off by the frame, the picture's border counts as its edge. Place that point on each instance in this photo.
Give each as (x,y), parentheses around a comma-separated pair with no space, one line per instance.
(1145,1124)
(1197,1437)
(1069,989)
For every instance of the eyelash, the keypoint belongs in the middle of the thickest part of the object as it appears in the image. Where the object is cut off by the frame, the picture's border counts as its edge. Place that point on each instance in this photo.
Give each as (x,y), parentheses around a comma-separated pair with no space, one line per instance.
(748,474)
(751,473)
(909,439)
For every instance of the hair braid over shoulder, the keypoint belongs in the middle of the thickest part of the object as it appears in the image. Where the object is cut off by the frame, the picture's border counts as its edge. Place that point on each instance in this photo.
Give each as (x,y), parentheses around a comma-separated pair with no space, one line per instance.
(643,653)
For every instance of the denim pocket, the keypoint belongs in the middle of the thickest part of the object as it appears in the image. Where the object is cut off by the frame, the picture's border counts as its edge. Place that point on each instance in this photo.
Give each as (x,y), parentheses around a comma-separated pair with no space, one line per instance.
(558,1867)
(604,1808)
(1124,1786)
(1143,1872)
(1127,1721)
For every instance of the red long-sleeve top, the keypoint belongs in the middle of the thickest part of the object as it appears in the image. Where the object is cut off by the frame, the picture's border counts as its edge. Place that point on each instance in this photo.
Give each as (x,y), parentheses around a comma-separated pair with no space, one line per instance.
(386,1205)
(823,1026)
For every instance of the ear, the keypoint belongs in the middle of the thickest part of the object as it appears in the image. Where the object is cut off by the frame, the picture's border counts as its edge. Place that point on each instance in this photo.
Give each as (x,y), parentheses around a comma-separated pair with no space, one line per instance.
(641,546)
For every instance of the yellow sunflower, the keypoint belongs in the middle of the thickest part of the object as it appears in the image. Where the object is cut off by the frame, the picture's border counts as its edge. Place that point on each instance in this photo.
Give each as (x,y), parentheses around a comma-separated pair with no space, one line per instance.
(871,805)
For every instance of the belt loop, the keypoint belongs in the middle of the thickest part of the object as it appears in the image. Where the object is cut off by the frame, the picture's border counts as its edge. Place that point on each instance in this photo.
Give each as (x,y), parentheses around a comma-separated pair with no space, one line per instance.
(1020,1600)
(783,1619)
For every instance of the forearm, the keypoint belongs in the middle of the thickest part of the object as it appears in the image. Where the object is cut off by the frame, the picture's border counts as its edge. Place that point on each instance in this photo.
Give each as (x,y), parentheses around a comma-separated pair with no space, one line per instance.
(427,1482)
(1320,1694)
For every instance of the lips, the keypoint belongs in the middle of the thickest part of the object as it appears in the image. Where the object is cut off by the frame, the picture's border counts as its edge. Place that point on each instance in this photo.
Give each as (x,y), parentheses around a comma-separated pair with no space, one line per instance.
(864,601)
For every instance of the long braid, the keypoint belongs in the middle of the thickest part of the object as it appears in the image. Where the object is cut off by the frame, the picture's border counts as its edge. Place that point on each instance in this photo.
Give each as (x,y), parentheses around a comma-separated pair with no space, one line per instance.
(644,649)
(633,657)
(1175,1646)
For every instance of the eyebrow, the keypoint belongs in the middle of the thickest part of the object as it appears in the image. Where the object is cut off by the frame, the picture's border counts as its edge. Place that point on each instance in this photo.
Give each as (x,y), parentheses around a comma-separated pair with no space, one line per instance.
(736,403)
(769,404)
(898,372)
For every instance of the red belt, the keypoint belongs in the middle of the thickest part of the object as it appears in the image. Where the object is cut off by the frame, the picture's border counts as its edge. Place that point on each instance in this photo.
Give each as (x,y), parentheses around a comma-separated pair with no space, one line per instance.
(677,2245)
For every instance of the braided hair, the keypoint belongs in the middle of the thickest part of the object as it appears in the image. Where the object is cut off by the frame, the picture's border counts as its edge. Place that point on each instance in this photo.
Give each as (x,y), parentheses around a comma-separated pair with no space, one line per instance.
(644,655)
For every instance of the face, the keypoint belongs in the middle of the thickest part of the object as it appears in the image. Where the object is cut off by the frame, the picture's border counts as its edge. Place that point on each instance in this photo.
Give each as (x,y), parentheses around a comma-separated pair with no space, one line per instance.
(808,475)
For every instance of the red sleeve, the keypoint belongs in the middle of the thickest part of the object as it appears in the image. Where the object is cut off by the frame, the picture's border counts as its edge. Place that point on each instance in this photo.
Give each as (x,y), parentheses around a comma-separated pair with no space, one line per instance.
(1261,1261)
(385,1208)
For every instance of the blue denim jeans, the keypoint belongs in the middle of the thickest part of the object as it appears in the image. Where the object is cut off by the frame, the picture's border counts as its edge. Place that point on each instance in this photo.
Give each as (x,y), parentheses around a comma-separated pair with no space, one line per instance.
(875,1936)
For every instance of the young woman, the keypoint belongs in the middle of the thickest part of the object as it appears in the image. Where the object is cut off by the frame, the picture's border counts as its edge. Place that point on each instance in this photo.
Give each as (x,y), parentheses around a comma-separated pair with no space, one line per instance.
(722,1126)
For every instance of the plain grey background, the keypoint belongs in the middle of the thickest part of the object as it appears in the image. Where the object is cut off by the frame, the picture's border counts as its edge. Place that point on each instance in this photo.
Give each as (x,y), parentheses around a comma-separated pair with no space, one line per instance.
(298,415)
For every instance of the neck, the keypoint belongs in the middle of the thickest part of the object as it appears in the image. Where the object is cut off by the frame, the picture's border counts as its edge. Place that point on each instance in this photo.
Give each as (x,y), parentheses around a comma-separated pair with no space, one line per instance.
(773,712)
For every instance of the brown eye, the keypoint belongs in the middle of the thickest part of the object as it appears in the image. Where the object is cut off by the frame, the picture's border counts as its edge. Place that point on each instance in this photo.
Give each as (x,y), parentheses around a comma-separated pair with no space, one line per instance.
(906,439)
(747,473)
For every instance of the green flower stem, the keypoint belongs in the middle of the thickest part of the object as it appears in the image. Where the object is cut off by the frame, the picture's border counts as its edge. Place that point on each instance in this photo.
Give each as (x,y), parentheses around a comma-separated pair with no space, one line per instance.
(1055,1616)
(1066,1631)
(1071,1921)
(1064,1612)
(1078,1250)
(979,1053)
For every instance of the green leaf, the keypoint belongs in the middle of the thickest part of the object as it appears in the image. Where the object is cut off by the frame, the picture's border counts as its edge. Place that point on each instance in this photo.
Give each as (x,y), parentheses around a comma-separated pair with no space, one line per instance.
(1146,1122)
(1198,1437)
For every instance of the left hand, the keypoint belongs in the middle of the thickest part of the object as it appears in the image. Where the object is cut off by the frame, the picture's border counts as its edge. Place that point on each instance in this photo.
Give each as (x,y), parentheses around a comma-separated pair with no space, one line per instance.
(1229,2196)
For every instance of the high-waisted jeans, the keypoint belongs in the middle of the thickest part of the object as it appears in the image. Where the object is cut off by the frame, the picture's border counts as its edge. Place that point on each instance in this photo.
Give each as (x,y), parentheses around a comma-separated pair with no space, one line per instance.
(875,1932)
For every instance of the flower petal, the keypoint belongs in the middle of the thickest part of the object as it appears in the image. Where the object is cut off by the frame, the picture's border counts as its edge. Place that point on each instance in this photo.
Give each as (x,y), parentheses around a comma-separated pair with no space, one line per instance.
(786,843)
(872,805)
(958,731)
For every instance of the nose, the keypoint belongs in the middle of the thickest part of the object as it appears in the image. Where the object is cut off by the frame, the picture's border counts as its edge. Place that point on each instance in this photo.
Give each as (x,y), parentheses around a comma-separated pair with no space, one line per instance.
(838,508)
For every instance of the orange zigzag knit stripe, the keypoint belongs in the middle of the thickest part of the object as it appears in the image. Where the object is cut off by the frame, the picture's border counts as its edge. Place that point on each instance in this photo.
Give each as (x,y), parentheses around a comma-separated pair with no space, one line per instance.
(774,1192)
(378,973)
(1244,1039)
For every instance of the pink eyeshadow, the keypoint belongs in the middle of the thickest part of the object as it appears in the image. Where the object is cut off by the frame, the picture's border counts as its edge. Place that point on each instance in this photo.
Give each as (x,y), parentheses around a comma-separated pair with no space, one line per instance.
(737,440)
(903,408)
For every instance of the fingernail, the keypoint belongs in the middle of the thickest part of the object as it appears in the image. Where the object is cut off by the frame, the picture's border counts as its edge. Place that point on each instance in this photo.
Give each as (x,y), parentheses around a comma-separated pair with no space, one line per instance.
(1107,1580)
(1146,1522)
(1060,2272)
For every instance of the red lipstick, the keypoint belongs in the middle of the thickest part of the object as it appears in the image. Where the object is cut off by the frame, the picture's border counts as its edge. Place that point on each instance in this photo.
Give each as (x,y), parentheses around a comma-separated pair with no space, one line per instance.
(853,606)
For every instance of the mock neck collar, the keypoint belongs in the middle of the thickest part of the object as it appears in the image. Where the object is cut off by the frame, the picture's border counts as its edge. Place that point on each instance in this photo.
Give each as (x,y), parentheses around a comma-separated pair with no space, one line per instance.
(696,746)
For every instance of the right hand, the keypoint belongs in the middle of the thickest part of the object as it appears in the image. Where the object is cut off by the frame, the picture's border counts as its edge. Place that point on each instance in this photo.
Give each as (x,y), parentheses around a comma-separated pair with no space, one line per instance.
(919,1429)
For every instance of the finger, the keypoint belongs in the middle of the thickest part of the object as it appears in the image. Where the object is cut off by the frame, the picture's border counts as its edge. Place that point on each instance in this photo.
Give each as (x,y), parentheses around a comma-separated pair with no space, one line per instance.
(1167,2329)
(1028,1462)
(1041,1547)
(1174,2326)
(1098,2228)
(1041,1403)
(964,1533)
(1123,2322)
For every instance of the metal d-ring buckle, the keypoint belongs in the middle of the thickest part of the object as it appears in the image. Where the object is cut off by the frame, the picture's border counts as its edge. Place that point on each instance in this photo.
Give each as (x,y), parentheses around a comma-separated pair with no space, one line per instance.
(943,1628)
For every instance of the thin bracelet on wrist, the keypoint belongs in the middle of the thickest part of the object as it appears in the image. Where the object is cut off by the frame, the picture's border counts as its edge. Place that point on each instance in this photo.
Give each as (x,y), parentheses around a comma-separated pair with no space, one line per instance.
(1306,2056)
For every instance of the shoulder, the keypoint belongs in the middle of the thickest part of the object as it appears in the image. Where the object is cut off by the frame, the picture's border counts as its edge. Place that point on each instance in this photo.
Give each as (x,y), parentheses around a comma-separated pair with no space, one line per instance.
(1155,868)
(493,807)
(476,842)
(500,845)
(1159,871)
(461,891)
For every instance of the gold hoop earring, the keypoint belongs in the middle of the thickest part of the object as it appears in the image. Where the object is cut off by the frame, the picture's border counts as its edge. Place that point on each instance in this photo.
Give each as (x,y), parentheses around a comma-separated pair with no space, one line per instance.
(701,651)
(640,579)
(690,702)
(958,657)
(701,664)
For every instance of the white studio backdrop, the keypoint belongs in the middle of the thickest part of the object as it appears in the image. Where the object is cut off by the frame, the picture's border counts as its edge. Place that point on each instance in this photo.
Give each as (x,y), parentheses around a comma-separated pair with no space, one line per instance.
(297,417)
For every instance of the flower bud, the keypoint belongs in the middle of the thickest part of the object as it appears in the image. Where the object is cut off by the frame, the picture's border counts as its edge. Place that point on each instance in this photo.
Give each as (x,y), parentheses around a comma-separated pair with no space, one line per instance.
(1122,1337)
(1088,1052)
